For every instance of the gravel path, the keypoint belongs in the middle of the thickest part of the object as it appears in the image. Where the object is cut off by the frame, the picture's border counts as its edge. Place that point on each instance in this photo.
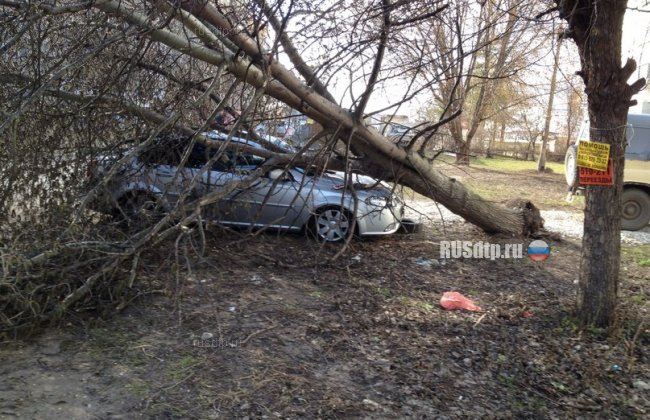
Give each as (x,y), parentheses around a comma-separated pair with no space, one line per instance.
(569,224)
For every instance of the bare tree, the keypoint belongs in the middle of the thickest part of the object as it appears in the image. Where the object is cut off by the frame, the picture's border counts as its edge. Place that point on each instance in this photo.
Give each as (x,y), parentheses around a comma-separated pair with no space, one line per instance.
(596,28)
(532,133)
(474,52)
(574,113)
(541,161)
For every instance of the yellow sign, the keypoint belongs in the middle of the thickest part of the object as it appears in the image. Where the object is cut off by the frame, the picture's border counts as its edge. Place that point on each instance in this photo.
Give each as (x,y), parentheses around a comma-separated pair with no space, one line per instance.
(593,155)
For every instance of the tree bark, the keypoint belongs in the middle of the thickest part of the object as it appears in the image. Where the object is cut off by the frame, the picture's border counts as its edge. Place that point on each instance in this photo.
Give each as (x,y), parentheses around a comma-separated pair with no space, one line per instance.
(463,152)
(596,27)
(493,135)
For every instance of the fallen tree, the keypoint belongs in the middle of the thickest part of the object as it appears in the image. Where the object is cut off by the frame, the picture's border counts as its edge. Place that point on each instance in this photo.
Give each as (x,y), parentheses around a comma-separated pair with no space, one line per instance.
(376,155)
(91,74)
(218,42)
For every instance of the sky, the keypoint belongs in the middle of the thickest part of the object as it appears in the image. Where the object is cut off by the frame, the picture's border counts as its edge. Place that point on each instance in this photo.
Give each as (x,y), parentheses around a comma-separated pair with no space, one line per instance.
(636,44)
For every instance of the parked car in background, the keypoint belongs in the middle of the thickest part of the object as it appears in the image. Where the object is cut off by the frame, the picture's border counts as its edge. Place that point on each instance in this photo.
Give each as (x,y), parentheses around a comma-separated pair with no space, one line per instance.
(636,182)
(292,199)
(400,133)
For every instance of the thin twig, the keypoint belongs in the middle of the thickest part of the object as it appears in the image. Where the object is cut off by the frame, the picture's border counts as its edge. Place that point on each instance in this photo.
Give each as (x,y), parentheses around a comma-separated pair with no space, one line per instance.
(478,321)
(254,333)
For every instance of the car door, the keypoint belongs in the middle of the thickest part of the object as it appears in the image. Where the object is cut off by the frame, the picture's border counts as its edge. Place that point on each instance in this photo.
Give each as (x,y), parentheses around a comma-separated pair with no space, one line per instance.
(273,200)
(270,200)
(278,200)
(213,175)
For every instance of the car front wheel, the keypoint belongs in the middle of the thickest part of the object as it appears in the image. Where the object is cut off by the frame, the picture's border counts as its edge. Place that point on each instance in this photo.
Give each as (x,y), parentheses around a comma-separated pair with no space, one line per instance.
(138,209)
(332,224)
(635,209)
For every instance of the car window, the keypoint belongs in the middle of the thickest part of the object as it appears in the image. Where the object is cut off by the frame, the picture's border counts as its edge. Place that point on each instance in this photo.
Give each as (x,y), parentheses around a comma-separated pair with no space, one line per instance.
(163,152)
(201,155)
(247,161)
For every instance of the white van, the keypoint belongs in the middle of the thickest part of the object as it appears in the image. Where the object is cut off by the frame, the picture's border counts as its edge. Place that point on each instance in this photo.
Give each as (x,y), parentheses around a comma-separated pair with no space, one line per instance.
(636,182)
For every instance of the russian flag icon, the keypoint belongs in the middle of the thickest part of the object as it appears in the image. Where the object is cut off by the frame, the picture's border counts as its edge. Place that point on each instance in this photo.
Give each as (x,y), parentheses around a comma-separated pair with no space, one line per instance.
(539,250)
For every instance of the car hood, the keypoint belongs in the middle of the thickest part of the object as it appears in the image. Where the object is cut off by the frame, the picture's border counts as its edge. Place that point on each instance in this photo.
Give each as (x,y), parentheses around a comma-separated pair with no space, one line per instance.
(335,180)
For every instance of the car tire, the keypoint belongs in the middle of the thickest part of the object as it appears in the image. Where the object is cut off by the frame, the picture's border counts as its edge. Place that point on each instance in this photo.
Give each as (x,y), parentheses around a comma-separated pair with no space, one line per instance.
(635,210)
(332,224)
(138,209)
(570,166)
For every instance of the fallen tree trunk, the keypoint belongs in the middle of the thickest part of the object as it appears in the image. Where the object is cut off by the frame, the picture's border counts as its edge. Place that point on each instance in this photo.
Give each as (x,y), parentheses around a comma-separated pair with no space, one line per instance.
(520,219)
(379,156)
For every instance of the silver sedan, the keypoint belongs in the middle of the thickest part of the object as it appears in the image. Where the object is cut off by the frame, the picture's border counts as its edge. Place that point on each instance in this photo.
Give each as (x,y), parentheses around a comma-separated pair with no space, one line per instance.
(293,199)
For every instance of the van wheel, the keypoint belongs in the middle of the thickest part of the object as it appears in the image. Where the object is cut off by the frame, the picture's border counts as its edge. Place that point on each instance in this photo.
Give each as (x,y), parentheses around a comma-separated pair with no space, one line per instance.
(635,209)
(570,166)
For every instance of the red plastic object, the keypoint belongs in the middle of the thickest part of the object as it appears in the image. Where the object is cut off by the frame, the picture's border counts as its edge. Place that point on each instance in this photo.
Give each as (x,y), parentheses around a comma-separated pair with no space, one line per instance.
(454,300)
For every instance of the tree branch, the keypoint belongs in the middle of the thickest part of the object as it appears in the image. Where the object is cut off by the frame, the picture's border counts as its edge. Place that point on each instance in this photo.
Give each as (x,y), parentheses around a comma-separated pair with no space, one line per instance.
(383,40)
(420,17)
(431,129)
(292,52)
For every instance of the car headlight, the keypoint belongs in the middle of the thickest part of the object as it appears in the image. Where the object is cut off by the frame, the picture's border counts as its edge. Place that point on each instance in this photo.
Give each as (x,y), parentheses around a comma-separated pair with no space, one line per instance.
(377,201)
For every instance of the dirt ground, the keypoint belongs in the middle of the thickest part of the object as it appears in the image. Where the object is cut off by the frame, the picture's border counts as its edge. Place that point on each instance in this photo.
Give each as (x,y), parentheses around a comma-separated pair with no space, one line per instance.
(273,327)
